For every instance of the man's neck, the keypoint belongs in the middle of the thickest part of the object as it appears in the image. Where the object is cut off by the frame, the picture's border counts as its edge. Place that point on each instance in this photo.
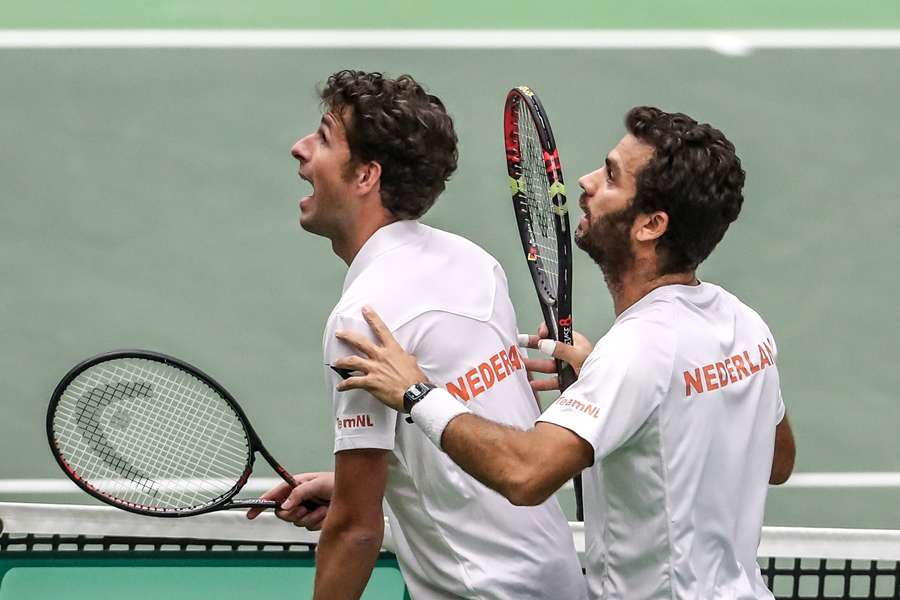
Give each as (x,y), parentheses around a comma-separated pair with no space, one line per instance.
(348,246)
(638,282)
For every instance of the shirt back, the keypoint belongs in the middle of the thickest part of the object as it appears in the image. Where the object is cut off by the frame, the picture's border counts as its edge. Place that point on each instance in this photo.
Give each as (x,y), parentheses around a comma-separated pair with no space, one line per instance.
(680,400)
(446,301)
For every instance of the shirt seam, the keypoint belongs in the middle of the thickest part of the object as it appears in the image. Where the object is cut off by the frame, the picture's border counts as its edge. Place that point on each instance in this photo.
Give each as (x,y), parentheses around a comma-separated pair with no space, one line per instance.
(663,451)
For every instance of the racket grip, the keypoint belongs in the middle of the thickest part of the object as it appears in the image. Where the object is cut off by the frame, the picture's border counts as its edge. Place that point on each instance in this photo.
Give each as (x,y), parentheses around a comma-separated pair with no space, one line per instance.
(566,374)
(309,505)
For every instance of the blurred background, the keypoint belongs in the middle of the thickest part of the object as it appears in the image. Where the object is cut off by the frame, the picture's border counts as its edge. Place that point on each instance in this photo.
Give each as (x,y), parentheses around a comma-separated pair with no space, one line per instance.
(149,198)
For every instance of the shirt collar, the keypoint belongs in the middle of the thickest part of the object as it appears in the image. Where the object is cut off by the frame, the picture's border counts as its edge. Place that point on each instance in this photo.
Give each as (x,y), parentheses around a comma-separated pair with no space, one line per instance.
(387,238)
(667,291)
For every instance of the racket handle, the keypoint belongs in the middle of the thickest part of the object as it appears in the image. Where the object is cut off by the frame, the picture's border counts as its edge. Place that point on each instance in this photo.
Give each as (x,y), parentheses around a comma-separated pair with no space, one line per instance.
(309,505)
(579,499)
(566,374)
(566,378)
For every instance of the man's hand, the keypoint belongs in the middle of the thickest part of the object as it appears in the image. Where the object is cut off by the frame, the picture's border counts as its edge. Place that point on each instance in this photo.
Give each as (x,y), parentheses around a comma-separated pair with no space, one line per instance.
(387,372)
(315,487)
(574,355)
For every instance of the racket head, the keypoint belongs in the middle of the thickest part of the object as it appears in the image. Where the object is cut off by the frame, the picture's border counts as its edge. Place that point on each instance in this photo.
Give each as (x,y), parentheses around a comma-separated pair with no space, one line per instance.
(150,434)
(539,201)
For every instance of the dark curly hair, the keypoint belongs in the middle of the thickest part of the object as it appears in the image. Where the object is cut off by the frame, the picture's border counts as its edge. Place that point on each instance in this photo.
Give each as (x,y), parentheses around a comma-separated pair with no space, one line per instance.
(399,125)
(694,176)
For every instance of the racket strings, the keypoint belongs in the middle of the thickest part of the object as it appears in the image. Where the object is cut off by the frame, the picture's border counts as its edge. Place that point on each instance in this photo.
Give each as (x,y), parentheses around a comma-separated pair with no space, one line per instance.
(150,434)
(540,207)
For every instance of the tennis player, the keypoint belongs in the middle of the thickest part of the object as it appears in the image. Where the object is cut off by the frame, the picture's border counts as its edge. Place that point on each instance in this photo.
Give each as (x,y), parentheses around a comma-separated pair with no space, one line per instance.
(677,414)
(377,162)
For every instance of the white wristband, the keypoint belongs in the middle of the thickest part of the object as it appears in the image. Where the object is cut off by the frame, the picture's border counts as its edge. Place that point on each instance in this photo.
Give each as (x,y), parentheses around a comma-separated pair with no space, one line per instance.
(433,412)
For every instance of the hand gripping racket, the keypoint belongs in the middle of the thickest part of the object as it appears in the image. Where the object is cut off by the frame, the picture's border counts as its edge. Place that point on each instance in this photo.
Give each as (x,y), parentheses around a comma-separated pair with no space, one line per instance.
(153,435)
(539,203)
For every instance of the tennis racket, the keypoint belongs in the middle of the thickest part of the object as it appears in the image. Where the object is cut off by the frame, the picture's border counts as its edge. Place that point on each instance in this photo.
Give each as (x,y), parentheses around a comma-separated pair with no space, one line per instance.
(539,203)
(153,435)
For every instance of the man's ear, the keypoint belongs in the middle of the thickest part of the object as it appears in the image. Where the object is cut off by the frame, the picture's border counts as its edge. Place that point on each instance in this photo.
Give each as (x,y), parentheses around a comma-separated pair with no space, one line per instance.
(368,176)
(651,226)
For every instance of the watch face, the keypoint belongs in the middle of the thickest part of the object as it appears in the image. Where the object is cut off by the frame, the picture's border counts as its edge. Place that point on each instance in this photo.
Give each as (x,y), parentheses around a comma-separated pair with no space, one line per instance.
(416,392)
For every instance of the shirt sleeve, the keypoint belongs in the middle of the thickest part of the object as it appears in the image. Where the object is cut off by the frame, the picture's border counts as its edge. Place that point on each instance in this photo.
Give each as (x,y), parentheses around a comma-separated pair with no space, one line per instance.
(360,420)
(620,385)
(780,410)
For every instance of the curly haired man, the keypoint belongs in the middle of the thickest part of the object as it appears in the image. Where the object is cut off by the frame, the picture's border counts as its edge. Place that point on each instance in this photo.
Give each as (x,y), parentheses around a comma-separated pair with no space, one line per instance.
(377,162)
(677,416)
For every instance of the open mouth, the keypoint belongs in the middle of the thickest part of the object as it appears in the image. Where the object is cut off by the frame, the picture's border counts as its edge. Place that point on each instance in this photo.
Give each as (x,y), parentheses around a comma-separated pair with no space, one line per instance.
(311,186)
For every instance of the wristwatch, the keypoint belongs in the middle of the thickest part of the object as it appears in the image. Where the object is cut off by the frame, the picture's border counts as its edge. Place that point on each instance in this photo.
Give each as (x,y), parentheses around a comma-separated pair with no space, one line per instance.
(414,394)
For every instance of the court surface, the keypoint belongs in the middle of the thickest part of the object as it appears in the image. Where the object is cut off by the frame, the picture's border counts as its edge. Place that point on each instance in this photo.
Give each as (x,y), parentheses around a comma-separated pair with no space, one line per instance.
(149,200)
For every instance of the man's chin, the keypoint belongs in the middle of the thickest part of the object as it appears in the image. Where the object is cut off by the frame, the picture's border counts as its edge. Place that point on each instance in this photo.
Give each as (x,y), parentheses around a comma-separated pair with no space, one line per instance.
(583,242)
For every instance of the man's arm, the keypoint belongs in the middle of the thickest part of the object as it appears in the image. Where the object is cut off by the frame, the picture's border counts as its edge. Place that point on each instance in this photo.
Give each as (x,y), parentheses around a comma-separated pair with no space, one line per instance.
(785,453)
(526,467)
(354,527)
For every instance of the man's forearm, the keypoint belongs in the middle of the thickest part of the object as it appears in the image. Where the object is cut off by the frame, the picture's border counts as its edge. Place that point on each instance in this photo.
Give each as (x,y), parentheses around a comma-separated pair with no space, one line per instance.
(500,457)
(345,558)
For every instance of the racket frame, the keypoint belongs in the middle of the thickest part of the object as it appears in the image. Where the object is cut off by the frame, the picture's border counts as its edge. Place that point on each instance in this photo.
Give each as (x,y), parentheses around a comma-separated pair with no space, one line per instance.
(224,501)
(557,312)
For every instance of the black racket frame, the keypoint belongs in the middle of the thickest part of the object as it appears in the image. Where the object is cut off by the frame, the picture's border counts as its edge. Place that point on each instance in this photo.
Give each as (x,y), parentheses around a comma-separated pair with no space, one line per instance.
(224,501)
(557,312)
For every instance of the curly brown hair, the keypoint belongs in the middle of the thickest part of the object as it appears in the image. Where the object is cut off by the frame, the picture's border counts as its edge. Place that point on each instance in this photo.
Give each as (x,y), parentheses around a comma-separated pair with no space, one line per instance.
(399,125)
(694,176)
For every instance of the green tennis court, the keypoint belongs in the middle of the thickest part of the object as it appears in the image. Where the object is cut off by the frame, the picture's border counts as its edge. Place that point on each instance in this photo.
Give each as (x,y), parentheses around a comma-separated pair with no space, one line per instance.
(149,200)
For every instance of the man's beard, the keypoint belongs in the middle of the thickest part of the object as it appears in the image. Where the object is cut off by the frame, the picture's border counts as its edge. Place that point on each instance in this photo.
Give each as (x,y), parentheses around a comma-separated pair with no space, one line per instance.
(607,242)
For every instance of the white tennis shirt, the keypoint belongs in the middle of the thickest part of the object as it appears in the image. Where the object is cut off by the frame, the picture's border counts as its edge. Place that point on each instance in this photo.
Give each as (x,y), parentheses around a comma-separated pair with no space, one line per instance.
(680,400)
(446,301)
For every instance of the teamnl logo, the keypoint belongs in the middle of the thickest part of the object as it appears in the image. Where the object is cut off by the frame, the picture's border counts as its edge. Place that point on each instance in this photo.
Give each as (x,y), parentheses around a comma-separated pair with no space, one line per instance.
(355,422)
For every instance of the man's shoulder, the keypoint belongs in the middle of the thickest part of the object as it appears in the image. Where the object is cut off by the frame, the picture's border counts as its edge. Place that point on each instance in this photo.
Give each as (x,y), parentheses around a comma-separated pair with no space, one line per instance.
(445,272)
(741,308)
(458,243)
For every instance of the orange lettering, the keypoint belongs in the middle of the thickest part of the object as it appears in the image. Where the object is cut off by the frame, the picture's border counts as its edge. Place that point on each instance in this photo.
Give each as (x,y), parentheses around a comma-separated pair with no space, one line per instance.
(498,367)
(459,390)
(710,378)
(769,350)
(474,383)
(763,358)
(722,373)
(739,365)
(692,382)
(487,375)
(731,376)
(753,368)
(514,358)
(505,359)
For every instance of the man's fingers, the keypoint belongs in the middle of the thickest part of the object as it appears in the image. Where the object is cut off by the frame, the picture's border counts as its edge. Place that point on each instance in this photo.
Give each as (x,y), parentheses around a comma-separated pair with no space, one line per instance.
(528,341)
(358,341)
(296,497)
(381,331)
(353,383)
(313,520)
(543,331)
(279,492)
(540,365)
(352,363)
(562,351)
(545,385)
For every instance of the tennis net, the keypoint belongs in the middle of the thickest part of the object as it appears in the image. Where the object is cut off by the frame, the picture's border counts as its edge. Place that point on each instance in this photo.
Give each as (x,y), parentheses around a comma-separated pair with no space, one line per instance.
(797,563)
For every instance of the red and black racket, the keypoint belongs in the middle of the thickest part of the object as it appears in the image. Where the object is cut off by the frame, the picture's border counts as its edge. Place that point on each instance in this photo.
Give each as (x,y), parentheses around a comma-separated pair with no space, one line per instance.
(153,435)
(539,202)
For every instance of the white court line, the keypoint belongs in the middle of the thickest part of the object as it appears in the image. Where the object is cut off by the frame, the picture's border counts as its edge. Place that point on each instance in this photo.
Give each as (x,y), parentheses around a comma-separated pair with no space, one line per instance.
(731,42)
(262,484)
